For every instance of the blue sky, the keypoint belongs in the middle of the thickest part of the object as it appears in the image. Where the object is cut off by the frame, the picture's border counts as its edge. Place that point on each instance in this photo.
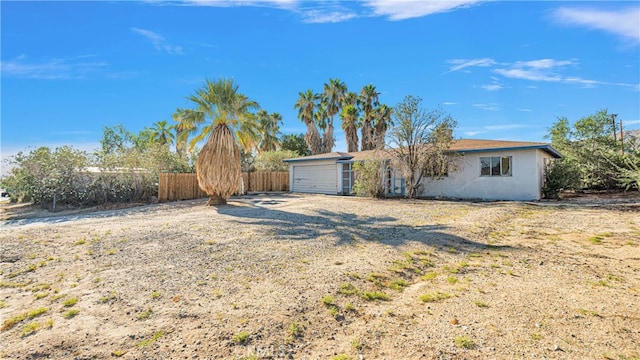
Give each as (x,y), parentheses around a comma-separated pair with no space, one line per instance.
(504,70)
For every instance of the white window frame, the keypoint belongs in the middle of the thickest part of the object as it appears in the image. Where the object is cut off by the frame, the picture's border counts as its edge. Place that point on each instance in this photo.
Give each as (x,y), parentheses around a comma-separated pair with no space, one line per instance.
(497,162)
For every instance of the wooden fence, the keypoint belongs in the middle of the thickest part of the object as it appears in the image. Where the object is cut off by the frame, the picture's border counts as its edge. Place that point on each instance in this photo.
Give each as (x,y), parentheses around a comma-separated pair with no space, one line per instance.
(172,186)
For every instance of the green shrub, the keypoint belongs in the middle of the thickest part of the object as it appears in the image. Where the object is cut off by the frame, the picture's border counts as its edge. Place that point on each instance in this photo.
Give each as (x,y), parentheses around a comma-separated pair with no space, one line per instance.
(368,178)
(348,289)
(464,342)
(241,338)
(272,160)
(125,169)
(434,296)
(375,295)
(559,175)
(327,300)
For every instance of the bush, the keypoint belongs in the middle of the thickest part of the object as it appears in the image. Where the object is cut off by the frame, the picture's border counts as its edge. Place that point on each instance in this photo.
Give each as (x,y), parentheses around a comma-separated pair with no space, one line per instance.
(629,176)
(559,175)
(601,159)
(272,160)
(44,176)
(64,176)
(368,178)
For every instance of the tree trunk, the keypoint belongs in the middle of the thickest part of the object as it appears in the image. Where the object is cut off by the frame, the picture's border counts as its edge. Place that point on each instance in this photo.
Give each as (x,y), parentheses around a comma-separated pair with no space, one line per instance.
(327,139)
(367,135)
(313,139)
(216,199)
(351,133)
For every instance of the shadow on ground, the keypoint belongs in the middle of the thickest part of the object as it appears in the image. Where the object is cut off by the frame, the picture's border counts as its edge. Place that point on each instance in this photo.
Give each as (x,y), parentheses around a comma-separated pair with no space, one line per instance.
(349,228)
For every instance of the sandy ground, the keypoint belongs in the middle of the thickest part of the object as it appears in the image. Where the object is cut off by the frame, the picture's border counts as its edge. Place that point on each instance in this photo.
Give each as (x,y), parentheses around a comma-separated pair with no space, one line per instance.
(297,277)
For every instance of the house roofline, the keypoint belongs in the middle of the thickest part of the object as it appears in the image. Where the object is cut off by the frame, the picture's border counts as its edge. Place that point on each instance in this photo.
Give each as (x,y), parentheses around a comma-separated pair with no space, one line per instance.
(348,157)
(320,158)
(547,148)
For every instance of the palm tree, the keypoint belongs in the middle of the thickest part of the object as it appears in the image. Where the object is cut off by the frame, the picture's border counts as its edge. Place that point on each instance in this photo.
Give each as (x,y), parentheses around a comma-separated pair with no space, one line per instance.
(269,126)
(368,100)
(218,166)
(349,115)
(274,130)
(306,105)
(350,98)
(161,133)
(248,133)
(383,121)
(322,120)
(332,98)
(183,128)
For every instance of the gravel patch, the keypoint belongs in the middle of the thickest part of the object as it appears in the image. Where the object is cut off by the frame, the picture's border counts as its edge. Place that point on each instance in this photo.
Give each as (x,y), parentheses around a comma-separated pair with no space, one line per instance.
(287,276)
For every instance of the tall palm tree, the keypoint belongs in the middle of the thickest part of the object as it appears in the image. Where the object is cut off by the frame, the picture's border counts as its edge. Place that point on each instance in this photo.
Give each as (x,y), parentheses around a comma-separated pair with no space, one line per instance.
(248,133)
(332,98)
(306,105)
(183,127)
(382,116)
(269,126)
(274,129)
(226,116)
(161,133)
(349,115)
(368,101)
(322,119)
(350,98)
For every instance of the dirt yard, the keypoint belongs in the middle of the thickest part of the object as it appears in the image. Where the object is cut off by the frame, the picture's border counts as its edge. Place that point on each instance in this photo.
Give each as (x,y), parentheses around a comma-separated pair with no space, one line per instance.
(324,277)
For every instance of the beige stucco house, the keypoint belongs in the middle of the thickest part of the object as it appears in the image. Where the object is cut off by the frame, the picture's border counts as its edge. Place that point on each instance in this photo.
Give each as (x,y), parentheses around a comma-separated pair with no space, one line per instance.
(484,169)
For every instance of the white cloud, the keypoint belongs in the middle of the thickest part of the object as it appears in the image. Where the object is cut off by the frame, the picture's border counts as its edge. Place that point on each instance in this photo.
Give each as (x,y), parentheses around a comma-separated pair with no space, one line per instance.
(158,41)
(492,87)
(312,13)
(230,3)
(625,22)
(543,70)
(336,11)
(504,127)
(544,63)
(51,69)
(321,16)
(524,110)
(488,107)
(459,64)
(535,70)
(527,74)
(473,132)
(449,103)
(407,9)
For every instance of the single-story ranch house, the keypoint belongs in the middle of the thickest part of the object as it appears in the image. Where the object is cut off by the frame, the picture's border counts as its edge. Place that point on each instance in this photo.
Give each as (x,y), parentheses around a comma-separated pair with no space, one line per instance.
(485,169)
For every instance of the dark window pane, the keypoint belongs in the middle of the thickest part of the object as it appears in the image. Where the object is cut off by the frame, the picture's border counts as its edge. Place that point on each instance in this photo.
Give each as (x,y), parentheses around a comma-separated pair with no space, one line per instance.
(506,166)
(495,166)
(485,166)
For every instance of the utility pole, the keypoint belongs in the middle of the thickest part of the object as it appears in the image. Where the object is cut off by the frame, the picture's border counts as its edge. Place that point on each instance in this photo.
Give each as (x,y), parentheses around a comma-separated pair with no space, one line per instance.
(613,122)
(621,138)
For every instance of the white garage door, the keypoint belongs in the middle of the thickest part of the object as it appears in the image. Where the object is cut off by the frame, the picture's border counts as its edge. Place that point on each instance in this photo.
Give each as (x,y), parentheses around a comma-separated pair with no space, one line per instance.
(316,179)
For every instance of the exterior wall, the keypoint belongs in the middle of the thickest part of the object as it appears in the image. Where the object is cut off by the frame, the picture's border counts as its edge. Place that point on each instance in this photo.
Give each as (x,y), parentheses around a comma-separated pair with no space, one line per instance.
(317,176)
(527,169)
